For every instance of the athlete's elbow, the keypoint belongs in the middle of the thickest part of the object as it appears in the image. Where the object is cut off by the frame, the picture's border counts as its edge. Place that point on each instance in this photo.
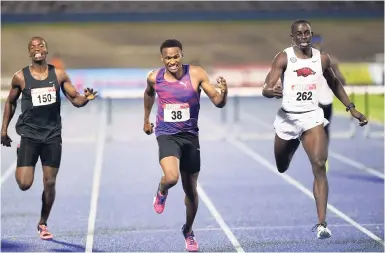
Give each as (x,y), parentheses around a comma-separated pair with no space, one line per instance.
(266,93)
(220,102)
(10,102)
(149,93)
(220,105)
(78,104)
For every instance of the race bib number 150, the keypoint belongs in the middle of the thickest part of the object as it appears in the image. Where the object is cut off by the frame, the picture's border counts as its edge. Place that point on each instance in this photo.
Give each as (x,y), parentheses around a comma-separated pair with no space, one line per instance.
(43,96)
(176,112)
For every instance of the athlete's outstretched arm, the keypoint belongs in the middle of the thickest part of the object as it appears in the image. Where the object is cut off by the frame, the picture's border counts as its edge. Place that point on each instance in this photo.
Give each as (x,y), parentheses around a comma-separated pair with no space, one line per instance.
(271,89)
(70,91)
(11,102)
(336,69)
(333,81)
(219,99)
(149,96)
(338,90)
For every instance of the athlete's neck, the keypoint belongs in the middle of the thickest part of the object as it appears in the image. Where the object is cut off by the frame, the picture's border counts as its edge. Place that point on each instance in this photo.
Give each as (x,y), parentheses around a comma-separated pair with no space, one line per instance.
(40,66)
(304,53)
(178,75)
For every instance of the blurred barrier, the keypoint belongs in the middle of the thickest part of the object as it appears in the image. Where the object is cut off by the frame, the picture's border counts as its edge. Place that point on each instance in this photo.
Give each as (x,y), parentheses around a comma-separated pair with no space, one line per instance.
(241,75)
(234,107)
(235,96)
(236,76)
(108,79)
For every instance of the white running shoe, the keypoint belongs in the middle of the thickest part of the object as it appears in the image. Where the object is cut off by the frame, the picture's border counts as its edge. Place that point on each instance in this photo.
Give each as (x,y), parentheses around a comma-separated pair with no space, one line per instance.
(322,231)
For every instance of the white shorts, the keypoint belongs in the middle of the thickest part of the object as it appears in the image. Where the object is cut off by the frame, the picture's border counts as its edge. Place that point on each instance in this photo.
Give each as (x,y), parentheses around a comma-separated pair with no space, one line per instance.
(291,125)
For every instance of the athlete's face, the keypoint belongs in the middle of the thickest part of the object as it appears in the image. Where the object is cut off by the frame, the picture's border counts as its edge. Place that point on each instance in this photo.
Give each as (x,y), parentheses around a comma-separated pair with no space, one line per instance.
(172,58)
(37,50)
(302,35)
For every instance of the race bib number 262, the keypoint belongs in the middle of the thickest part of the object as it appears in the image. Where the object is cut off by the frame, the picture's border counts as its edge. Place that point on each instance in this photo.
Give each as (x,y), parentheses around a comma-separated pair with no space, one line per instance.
(176,112)
(43,96)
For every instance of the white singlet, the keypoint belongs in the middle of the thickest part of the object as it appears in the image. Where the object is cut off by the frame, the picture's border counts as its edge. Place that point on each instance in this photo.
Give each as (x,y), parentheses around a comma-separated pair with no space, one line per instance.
(300,109)
(300,81)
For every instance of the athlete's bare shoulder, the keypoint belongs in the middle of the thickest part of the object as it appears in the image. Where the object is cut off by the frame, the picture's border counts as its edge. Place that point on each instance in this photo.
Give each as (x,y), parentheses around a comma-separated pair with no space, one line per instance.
(60,74)
(280,60)
(151,76)
(18,79)
(281,55)
(325,55)
(325,60)
(334,60)
(197,72)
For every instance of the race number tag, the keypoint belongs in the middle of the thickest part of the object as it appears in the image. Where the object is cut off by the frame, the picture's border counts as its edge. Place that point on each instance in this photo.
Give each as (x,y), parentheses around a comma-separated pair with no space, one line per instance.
(305,94)
(43,96)
(176,112)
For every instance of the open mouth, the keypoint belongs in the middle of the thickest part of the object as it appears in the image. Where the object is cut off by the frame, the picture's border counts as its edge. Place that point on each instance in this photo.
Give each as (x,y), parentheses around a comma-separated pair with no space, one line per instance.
(304,44)
(38,55)
(173,68)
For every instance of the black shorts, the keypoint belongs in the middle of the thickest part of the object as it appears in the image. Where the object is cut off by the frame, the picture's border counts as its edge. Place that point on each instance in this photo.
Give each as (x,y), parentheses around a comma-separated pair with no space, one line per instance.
(328,111)
(185,147)
(31,149)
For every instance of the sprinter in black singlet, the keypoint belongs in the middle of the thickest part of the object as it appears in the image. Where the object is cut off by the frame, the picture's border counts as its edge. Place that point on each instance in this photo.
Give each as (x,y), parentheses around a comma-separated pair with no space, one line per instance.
(39,124)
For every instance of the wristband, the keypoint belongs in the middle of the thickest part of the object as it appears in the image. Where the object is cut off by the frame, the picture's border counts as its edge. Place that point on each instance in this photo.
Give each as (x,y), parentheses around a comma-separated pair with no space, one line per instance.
(350,106)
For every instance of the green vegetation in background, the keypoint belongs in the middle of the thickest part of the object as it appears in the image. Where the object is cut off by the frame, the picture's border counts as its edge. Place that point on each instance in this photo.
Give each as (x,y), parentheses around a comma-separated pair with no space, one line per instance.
(375,106)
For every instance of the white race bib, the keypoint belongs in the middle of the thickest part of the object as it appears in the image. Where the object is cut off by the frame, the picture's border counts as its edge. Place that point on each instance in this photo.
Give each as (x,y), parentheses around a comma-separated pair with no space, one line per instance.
(176,112)
(305,94)
(43,96)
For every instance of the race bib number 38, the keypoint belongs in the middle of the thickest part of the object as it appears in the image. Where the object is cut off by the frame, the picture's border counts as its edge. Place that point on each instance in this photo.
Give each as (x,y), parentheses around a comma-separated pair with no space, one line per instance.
(176,112)
(43,96)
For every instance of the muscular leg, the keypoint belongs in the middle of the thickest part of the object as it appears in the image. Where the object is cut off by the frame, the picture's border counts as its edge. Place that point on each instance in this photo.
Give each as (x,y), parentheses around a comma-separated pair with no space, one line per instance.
(48,196)
(24,177)
(189,182)
(169,153)
(284,151)
(190,165)
(50,159)
(314,142)
(170,167)
(27,156)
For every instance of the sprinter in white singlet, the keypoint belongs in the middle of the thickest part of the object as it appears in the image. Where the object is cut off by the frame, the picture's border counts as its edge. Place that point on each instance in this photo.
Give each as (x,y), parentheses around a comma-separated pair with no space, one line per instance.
(300,119)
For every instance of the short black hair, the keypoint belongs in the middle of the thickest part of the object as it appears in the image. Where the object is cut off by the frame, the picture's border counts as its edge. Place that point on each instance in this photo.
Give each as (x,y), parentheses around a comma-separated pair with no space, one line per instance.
(299,21)
(171,43)
(37,38)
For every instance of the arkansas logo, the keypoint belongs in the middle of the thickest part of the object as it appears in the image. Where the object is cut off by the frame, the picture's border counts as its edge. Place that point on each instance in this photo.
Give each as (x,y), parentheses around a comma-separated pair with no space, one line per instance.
(305,72)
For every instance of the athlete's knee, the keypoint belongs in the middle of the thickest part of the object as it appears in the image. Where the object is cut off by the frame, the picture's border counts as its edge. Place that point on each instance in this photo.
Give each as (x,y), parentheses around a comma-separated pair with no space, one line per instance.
(282,166)
(191,194)
(49,182)
(171,178)
(24,178)
(190,191)
(170,166)
(24,184)
(318,165)
(191,198)
(282,162)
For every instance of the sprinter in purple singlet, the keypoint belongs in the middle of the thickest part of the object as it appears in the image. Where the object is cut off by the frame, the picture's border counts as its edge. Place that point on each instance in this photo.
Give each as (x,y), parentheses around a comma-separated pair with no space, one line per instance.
(178,87)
